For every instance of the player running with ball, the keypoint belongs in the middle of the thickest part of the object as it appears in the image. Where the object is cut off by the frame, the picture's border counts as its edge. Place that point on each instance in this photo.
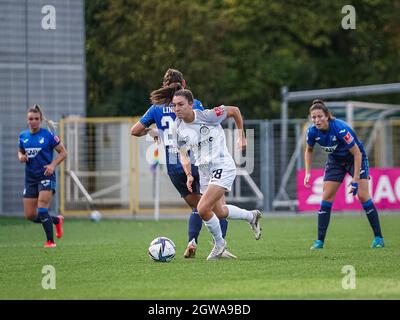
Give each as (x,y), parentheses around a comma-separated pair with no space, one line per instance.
(201,132)
(162,115)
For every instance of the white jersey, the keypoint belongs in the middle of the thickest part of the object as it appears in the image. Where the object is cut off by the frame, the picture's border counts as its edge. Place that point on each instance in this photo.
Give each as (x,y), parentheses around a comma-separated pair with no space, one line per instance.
(205,137)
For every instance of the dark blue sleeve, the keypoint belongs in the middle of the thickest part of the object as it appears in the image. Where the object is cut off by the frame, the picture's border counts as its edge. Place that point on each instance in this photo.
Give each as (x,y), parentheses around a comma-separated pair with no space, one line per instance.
(198,105)
(148,118)
(310,137)
(53,140)
(20,145)
(345,134)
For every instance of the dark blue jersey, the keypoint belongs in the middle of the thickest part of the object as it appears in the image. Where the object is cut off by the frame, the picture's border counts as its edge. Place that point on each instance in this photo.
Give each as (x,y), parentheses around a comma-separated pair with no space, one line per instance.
(38,147)
(336,141)
(164,116)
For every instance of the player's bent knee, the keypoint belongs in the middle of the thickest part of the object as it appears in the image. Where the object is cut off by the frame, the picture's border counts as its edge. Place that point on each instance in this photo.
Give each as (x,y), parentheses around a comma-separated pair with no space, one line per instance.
(363,197)
(204,212)
(328,199)
(30,216)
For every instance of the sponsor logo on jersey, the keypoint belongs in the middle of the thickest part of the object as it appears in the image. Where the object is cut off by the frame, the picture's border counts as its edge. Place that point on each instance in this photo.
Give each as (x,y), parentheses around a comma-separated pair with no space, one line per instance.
(201,143)
(32,152)
(41,141)
(218,111)
(348,138)
(204,130)
(329,149)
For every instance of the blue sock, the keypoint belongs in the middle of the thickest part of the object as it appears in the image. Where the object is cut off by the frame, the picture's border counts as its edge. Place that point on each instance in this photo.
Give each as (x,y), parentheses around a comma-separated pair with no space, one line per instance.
(324,215)
(54,219)
(47,223)
(195,224)
(373,217)
(224,226)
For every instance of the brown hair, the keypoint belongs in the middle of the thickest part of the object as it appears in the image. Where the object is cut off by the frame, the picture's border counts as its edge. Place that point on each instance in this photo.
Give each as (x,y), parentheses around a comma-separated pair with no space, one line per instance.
(186,94)
(51,125)
(320,105)
(172,82)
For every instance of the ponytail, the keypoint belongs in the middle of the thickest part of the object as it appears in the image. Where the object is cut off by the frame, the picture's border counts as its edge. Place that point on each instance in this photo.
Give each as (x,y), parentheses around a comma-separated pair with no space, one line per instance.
(165,94)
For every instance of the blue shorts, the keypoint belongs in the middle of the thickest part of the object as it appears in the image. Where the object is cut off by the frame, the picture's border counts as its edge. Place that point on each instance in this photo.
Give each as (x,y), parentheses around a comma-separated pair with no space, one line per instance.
(32,189)
(179,181)
(335,170)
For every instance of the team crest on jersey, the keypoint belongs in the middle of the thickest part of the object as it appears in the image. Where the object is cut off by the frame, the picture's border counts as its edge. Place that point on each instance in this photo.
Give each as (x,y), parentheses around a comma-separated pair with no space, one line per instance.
(204,130)
(334,138)
(348,138)
(32,152)
(41,141)
(25,140)
(218,111)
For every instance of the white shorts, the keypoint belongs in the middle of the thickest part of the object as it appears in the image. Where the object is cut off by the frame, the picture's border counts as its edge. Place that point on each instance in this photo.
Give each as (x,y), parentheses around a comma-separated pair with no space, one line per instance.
(222,175)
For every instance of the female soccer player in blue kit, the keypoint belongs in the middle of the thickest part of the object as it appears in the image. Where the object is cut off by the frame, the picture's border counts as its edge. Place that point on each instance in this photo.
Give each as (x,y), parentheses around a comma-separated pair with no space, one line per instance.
(346,155)
(161,113)
(36,147)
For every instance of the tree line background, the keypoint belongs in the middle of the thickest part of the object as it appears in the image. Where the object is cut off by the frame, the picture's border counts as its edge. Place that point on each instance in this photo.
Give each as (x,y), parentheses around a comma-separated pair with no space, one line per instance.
(235,52)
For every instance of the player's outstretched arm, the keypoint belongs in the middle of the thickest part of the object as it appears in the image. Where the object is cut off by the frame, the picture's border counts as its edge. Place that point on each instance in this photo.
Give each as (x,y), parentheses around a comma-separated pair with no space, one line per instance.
(307,161)
(234,112)
(139,130)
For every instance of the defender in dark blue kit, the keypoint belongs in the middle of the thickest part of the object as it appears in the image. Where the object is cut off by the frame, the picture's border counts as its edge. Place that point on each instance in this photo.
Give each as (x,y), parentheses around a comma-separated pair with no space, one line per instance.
(346,154)
(35,149)
(161,113)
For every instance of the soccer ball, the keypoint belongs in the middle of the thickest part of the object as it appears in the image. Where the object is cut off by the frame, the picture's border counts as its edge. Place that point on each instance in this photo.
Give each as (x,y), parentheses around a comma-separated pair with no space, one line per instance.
(95,216)
(162,249)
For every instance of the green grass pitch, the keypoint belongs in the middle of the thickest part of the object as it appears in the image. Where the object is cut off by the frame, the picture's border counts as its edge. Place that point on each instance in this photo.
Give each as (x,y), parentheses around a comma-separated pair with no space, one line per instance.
(108,260)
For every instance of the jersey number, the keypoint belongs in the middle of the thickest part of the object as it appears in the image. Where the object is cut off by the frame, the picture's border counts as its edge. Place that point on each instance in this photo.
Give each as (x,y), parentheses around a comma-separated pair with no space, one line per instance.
(217,173)
(167,121)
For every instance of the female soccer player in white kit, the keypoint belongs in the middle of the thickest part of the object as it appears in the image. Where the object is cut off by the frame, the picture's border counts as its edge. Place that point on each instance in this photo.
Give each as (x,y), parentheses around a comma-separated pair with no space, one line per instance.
(201,132)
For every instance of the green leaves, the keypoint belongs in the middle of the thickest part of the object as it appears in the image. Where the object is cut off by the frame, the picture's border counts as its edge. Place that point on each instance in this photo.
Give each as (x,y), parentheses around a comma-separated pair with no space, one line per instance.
(234,52)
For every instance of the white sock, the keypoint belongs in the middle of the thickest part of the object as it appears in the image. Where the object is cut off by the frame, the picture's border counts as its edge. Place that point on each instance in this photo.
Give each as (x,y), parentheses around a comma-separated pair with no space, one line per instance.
(239,213)
(215,229)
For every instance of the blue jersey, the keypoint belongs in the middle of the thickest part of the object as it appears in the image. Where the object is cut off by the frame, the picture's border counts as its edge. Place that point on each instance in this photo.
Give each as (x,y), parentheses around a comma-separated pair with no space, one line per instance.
(164,116)
(336,141)
(38,147)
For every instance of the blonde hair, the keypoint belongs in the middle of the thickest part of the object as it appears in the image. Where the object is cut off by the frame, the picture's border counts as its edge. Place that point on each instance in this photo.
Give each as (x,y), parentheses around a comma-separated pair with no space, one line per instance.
(51,125)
